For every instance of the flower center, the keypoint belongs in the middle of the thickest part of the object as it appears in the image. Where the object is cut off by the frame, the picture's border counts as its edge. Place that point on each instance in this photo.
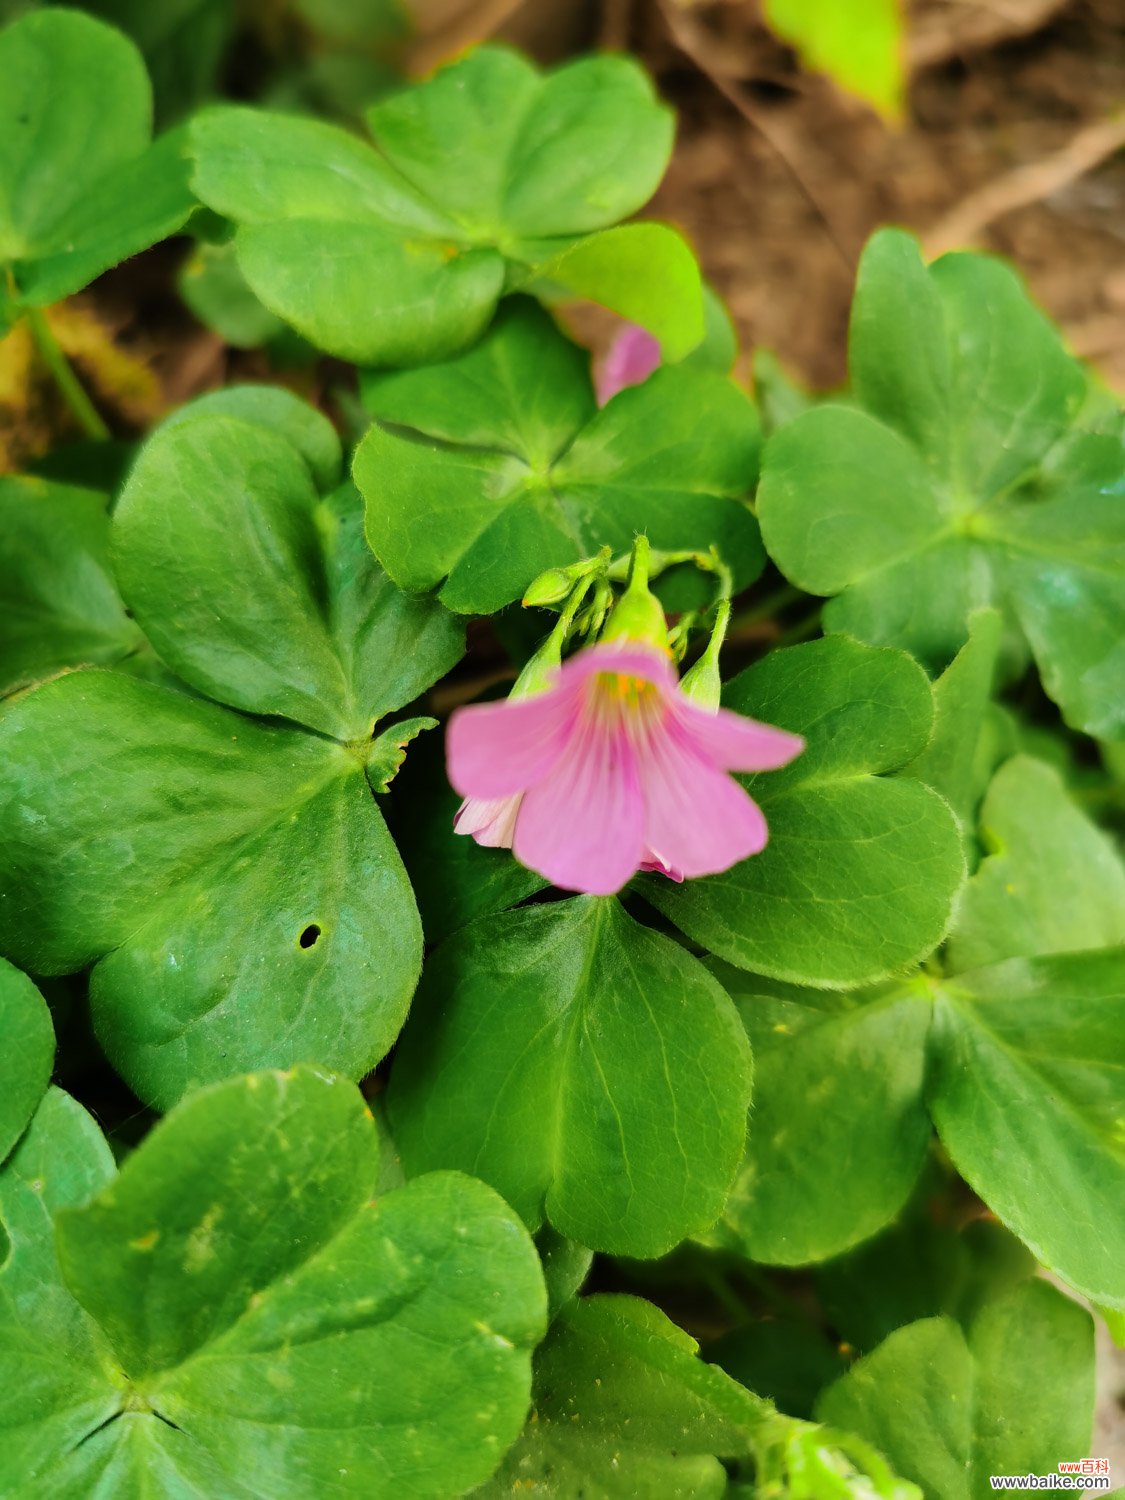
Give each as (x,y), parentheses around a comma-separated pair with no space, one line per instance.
(622,702)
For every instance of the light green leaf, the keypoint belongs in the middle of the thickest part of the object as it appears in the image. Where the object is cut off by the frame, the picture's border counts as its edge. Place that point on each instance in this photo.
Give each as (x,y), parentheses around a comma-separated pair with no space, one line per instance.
(80,186)
(838,1130)
(955,762)
(29,1052)
(588,1068)
(1053,882)
(472,167)
(644,272)
(215,290)
(495,466)
(861,870)
(975,473)
(622,1406)
(259,594)
(235,878)
(1014,1397)
(1025,1091)
(858,43)
(56,1368)
(274,1332)
(59,605)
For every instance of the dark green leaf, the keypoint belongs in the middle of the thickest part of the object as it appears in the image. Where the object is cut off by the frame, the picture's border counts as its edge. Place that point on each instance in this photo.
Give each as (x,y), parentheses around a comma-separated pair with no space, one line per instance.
(504,468)
(861,870)
(59,605)
(273,1331)
(588,1068)
(260,595)
(29,1052)
(1015,1397)
(235,878)
(56,1368)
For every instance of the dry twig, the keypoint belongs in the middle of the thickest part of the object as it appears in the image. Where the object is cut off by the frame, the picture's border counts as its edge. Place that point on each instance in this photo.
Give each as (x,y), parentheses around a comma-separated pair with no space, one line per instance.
(1027,184)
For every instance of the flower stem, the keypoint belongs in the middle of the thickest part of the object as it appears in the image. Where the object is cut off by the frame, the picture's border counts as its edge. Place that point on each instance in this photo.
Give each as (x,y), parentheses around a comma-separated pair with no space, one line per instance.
(70,388)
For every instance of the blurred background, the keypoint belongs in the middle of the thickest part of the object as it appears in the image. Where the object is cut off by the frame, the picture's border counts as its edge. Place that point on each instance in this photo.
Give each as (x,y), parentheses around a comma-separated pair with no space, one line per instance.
(804,124)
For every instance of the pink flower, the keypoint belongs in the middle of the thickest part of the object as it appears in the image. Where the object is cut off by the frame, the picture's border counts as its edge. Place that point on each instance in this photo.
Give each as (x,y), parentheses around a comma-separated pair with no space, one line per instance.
(631,358)
(612,770)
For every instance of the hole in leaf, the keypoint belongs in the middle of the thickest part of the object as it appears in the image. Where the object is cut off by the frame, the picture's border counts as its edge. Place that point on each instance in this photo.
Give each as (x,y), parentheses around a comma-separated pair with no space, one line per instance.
(309,936)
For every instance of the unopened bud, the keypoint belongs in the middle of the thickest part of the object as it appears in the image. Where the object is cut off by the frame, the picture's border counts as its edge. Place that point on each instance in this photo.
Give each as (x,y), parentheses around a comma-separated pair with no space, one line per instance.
(701,682)
(550,587)
(638,614)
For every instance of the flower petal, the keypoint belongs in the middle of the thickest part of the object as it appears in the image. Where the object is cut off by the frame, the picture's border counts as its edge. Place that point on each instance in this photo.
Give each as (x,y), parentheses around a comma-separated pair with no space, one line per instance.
(491,821)
(583,826)
(699,818)
(631,358)
(735,743)
(498,749)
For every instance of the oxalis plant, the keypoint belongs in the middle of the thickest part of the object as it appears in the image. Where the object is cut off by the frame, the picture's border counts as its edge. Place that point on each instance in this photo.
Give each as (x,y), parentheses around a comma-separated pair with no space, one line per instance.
(659,1054)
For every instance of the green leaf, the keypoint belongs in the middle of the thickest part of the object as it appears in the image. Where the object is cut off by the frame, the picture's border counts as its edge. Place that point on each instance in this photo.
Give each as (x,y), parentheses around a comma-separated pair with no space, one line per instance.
(858,43)
(235,879)
(1053,883)
(273,1330)
(1025,1092)
(279,412)
(59,605)
(455,879)
(787,1360)
(215,290)
(644,272)
(976,473)
(622,1406)
(955,762)
(56,1367)
(588,1068)
(918,1268)
(565,1267)
(183,74)
(29,1052)
(839,1130)
(861,870)
(1014,1397)
(81,188)
(259,594)
(479,171)
(495,466)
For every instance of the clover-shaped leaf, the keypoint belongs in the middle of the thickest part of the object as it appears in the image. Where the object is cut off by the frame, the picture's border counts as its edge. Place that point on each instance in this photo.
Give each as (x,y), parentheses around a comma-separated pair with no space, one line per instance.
(29,1052)
(59,605)
(483,176)
(1052,883)
(1017,1064)
(232,879)
(839,1128)
(587,1067)
(82,186)
(233,1312)
(622,1406)
(1014,1396)
(861,869)
(1040,1041)
(486,470)
(974,471)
